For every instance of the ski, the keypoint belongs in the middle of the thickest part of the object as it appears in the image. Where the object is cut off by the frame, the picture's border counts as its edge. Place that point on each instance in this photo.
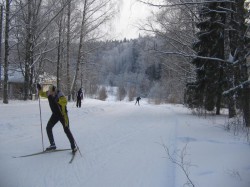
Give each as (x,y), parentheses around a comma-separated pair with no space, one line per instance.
(42,152)
(72,158)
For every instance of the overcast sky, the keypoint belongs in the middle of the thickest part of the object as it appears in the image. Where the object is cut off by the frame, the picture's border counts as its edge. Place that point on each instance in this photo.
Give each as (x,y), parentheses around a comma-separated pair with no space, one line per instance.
(131,12)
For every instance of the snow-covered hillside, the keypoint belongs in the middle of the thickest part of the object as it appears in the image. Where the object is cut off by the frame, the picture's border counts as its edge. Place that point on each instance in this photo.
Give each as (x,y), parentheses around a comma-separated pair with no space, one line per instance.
(122,147)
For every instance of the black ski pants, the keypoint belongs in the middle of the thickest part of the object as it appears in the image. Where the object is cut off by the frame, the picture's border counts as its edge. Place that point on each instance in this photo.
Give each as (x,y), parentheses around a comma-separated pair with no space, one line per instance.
(78,102)
(51,123)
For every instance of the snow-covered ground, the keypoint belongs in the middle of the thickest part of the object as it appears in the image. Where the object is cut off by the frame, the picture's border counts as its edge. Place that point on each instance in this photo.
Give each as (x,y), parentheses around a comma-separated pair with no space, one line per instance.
(122,147)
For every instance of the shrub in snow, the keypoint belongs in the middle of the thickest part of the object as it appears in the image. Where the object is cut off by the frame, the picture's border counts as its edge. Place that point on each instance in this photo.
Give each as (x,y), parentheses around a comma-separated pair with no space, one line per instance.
(131,93)
(121,93)
(103,94)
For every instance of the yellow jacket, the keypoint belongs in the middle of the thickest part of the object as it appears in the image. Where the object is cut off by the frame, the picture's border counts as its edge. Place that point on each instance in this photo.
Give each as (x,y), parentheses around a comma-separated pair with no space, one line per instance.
(58,105)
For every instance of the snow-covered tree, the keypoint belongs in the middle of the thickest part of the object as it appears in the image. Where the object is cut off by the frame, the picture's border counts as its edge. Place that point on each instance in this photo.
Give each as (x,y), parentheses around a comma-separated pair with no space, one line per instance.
(206,91)
(219,52)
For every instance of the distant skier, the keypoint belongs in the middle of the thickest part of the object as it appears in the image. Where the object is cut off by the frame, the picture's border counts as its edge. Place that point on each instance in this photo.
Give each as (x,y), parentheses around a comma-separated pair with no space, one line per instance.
(58,106)
(138,100)
(79,98)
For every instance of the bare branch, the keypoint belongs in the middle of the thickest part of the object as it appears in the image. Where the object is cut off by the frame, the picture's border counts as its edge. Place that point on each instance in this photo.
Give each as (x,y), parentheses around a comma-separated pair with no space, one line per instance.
(184,3)
(179,160)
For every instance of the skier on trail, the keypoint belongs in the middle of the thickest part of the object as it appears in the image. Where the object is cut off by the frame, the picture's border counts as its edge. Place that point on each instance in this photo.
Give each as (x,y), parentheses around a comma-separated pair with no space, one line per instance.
(137,100)
(58,105)
(79,98)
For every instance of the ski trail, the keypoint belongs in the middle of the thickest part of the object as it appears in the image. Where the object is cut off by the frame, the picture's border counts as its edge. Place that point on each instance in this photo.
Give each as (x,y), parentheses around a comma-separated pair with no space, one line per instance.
(120,143)
(131,151)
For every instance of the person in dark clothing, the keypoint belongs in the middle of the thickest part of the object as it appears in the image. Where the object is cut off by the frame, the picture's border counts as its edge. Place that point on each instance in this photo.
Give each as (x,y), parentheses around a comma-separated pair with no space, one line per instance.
(58,106)
(79,98)
(138,100)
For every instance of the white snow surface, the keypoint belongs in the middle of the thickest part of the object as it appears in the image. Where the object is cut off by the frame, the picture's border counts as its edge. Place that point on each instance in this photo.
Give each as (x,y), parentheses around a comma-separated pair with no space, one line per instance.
(122,147)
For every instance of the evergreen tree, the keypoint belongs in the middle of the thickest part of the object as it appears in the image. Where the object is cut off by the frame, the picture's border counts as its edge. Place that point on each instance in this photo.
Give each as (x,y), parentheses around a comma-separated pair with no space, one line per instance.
(221,36)
(206,91)
(240,47)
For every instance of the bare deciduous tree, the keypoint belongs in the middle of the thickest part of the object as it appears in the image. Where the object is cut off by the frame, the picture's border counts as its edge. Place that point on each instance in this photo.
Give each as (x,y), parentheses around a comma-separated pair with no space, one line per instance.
(95,14)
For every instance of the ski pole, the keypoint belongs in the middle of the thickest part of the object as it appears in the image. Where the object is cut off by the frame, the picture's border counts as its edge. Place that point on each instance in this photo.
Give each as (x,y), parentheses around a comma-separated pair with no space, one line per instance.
(41,120)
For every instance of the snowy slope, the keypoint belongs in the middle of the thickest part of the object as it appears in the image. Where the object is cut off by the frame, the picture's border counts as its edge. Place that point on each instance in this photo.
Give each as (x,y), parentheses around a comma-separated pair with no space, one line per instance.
(121,146)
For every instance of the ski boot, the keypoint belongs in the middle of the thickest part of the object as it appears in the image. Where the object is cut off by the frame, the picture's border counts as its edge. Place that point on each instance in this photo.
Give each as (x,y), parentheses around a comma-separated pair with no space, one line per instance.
(74,150)
(51,147)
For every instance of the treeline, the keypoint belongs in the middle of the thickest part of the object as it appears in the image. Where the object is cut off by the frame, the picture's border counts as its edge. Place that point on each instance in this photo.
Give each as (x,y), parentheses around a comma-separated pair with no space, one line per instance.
(133,67)
(66,40)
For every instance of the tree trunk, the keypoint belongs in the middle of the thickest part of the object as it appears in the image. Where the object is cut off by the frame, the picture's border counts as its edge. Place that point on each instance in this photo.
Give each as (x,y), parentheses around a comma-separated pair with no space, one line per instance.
(28,44)
(59,53)
(1,32)
(219,90)
(242,60)
(246,105)
(79,57)
(229,67)
(68,50)
(6,55)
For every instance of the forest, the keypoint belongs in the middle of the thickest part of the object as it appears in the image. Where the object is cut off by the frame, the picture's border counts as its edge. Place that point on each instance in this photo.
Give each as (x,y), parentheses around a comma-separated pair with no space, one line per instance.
(192,52)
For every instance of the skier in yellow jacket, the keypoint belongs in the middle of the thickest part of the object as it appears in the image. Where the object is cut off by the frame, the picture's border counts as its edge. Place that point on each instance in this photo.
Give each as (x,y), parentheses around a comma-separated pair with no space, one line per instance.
(58,105)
